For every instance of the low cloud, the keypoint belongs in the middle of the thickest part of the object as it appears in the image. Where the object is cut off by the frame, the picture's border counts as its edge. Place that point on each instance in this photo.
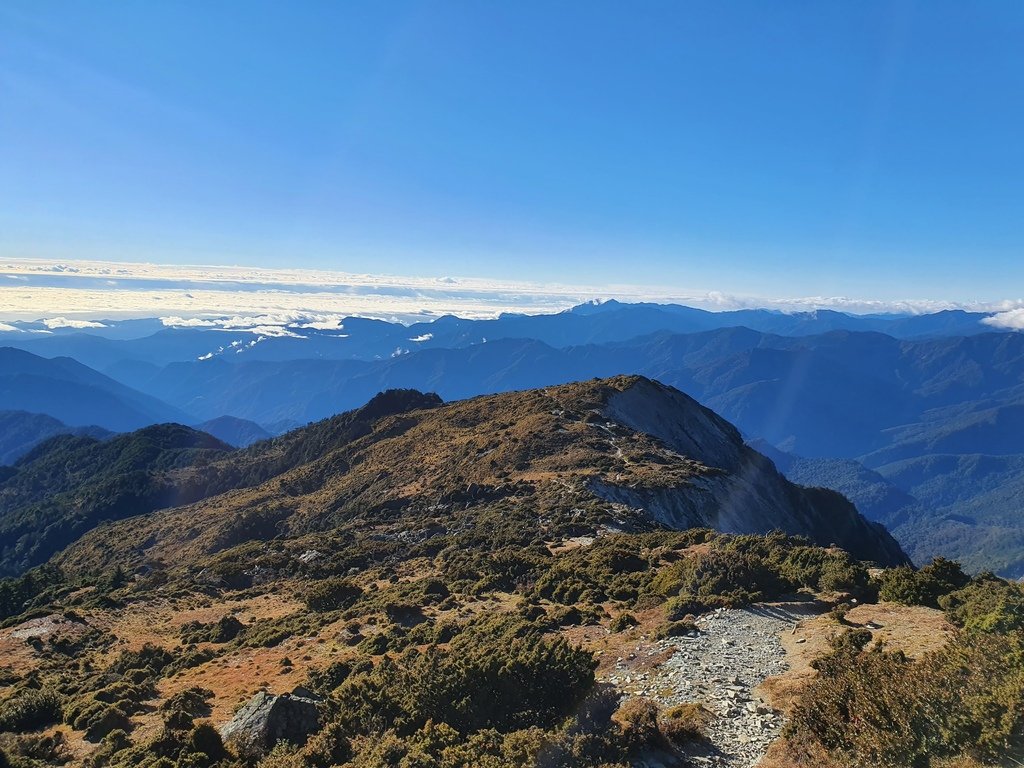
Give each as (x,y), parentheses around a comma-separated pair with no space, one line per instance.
(326,323)
(64,322)
(187,322)
(273,331)
(1011,320)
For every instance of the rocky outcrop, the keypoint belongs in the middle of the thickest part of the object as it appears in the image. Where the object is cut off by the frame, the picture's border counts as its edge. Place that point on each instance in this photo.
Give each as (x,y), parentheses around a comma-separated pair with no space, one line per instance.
(268,719)
(748,495)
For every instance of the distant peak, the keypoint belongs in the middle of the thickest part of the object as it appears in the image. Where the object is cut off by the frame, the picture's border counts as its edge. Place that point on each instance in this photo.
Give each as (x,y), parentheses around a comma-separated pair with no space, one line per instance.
(595,306)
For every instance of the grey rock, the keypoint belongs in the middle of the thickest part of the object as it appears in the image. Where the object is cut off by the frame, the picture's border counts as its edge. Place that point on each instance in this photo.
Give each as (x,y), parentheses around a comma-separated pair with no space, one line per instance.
(744,493)
(267,719)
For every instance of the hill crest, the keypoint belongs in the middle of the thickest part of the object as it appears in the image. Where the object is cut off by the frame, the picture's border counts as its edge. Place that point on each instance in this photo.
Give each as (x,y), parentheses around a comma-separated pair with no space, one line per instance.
(558,450)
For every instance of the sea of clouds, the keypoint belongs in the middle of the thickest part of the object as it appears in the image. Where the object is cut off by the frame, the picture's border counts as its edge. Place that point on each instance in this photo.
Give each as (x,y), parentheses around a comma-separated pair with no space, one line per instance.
(82,294)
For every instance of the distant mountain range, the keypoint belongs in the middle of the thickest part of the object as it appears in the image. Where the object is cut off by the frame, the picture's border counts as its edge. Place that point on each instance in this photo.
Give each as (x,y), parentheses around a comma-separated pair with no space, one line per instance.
(835,395)
(63,397)
(917,418)
(75,394)
(134,342)
(234,431)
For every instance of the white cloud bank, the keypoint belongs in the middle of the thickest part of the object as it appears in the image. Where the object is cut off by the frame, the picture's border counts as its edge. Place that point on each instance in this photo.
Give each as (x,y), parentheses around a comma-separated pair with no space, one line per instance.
(64,322)
(1012,319)
(80,294)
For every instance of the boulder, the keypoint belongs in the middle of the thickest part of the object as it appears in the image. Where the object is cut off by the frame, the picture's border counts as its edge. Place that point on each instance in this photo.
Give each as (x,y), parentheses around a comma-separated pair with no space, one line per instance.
(268,718)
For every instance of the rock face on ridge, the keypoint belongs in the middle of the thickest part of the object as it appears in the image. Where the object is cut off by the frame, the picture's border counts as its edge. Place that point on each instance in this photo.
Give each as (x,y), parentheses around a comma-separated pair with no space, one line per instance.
(749,496)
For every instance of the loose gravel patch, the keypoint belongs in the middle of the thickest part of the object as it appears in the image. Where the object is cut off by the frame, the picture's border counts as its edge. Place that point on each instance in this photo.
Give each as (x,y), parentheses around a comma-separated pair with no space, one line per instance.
(721,666)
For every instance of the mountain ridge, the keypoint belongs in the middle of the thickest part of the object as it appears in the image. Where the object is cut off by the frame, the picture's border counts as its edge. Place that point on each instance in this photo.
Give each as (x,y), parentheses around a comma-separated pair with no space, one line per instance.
(20,431)
(369,339)
(555,448)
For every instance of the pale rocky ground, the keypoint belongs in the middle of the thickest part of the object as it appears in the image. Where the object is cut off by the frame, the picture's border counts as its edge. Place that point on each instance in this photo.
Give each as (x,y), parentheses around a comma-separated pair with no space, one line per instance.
(746,665)
(734,652)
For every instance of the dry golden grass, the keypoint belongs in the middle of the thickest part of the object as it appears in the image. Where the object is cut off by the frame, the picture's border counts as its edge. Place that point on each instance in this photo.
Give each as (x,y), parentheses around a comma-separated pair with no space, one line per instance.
(17,652)
(159,621)
(915,630)
(234,677)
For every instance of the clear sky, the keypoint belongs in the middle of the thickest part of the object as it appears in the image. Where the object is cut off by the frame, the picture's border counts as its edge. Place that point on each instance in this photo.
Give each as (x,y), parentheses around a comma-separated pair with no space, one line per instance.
(868,149)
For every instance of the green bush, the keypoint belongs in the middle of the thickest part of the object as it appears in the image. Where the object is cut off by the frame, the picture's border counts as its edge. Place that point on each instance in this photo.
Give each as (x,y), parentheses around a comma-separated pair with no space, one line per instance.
(224,630)
(880,709)
(987,604)
(150,660)
(686,605)
(612,568)
(924,587)
(728,576)
(637,717)
(675,629)
(99,718)
(684,723)
(623,622)
(30,709)
(35,750)
(332,594)
(501,674)
(824,570)
(199,747)
(266,633)
(391,637)
(17,593)
(326,680)
(184,706)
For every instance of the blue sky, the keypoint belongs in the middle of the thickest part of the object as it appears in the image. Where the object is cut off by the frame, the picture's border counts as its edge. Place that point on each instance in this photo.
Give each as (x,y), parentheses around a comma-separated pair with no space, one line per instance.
(862,149)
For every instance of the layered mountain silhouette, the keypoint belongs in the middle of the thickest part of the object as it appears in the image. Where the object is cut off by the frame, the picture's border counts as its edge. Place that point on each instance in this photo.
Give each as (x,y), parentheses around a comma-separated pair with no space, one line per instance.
(123,345)
(75,394)
(236,432)
(836,395)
